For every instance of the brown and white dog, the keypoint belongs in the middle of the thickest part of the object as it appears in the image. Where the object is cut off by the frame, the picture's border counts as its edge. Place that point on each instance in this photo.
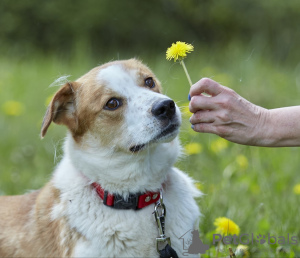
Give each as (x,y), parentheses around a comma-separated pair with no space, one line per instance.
(119,152)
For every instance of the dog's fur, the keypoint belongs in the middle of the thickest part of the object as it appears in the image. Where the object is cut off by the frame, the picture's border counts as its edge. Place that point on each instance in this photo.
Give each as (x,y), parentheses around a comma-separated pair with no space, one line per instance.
(67,217)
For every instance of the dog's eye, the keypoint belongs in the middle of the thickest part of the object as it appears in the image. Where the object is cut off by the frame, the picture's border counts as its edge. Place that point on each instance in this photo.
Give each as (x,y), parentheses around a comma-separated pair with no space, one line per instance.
(149,82)
(113,104)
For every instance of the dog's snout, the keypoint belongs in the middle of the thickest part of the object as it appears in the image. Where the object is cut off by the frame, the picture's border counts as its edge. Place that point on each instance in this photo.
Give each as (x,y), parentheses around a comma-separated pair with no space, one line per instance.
(164,109)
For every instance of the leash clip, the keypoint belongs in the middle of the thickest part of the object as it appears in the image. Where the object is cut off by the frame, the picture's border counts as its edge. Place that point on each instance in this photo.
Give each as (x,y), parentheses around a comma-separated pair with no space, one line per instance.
(160,214)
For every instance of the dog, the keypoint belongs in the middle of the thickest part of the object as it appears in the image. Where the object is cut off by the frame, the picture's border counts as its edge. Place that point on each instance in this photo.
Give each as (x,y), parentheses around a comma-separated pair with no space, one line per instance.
(121,145)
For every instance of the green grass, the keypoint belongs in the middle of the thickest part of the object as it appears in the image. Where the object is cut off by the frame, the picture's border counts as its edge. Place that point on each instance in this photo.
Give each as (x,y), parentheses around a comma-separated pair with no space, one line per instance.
(252,186)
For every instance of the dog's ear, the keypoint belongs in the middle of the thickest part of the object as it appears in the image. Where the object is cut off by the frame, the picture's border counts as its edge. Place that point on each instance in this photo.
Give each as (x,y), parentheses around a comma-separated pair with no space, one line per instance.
(62,109)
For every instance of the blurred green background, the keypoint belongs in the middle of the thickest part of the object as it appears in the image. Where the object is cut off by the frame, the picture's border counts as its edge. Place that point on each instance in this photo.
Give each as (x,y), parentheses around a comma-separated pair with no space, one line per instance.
(250,46)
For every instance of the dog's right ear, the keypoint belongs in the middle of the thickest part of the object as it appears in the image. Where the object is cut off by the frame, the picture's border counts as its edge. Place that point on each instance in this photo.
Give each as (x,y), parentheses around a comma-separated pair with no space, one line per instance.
(62,109)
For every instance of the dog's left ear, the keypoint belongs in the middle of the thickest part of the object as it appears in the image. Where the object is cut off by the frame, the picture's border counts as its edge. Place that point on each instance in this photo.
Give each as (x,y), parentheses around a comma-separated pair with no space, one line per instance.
(62,109)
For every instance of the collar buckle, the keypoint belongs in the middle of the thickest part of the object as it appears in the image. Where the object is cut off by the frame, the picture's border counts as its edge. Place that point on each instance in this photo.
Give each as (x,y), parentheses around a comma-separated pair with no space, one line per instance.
(130,203)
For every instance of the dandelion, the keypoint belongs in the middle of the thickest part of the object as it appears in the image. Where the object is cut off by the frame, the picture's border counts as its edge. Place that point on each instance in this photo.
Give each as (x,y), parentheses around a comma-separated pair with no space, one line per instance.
(225,226)
(296,189)
(193,148)
(219,145)
(178,51)
(13,108)
(242,161)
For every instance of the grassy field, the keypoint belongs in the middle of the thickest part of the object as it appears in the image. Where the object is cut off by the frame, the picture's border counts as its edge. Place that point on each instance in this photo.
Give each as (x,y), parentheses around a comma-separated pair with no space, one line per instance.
(252,186)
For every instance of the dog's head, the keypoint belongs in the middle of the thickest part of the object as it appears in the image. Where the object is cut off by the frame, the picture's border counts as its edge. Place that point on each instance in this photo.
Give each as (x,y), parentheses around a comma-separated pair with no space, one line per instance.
(118,105)
(118,118)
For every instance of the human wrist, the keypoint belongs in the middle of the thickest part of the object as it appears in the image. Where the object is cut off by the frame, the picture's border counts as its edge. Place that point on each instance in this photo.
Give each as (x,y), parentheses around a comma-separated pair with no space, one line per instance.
(275,128)
(284,127)
(263,132)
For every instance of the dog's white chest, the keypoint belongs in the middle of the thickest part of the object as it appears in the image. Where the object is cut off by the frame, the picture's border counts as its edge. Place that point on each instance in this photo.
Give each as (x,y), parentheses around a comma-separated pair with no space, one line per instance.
(119,234)
(105,231)
(128,233)
(108,232)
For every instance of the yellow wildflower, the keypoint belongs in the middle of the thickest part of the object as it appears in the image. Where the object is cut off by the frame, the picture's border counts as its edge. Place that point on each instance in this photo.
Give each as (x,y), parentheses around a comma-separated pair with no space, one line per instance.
(193,148)
(13,108)
(219,145)
(242,161)
(226,226)
(296,189)
(178,51)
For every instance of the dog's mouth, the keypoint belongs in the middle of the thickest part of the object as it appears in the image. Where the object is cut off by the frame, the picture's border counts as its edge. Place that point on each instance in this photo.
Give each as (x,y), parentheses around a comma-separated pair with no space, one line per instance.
(167,132)
(172,128)
(137,148)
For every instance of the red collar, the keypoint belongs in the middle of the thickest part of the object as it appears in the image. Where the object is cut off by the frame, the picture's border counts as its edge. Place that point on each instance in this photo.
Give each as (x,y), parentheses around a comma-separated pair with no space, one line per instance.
(134,201)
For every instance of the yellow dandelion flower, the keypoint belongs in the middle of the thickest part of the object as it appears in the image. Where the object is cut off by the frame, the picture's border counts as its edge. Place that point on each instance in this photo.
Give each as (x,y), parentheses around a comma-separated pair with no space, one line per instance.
(219,145)
(242,161)
(225,226)
(296,189)
(178,51)
(193,148)
(13,108)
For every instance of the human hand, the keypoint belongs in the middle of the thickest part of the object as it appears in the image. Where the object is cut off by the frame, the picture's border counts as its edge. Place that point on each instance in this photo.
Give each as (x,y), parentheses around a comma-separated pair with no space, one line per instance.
(226,113)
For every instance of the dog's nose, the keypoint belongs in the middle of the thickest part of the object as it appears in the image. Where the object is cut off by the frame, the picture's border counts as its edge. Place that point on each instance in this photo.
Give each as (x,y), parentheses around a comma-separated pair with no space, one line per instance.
(164,109)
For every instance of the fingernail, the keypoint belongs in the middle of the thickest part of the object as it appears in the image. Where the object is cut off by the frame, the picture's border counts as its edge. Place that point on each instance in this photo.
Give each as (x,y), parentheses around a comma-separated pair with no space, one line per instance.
(192,126)
(189,97)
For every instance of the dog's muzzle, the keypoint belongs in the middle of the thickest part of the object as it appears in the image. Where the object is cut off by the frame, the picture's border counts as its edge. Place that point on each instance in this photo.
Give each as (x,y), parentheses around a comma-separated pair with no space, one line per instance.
(164,110)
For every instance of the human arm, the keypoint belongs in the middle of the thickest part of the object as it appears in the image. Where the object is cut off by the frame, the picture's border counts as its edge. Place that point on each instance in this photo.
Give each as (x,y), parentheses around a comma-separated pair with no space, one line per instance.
(234,118)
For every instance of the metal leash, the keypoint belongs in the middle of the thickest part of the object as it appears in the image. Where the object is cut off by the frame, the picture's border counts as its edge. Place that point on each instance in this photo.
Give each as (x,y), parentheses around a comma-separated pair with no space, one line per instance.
(163,243)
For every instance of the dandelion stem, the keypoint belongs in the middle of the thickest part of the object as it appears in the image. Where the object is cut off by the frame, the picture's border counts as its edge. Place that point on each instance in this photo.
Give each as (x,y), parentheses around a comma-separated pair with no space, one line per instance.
(186,72)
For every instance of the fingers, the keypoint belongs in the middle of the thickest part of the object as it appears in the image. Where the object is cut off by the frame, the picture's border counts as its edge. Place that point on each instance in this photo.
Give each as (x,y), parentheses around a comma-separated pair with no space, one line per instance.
(203,121)
(221,130)
(206,85)
(204,128)
(204,116)
(201,102)
(212,114)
